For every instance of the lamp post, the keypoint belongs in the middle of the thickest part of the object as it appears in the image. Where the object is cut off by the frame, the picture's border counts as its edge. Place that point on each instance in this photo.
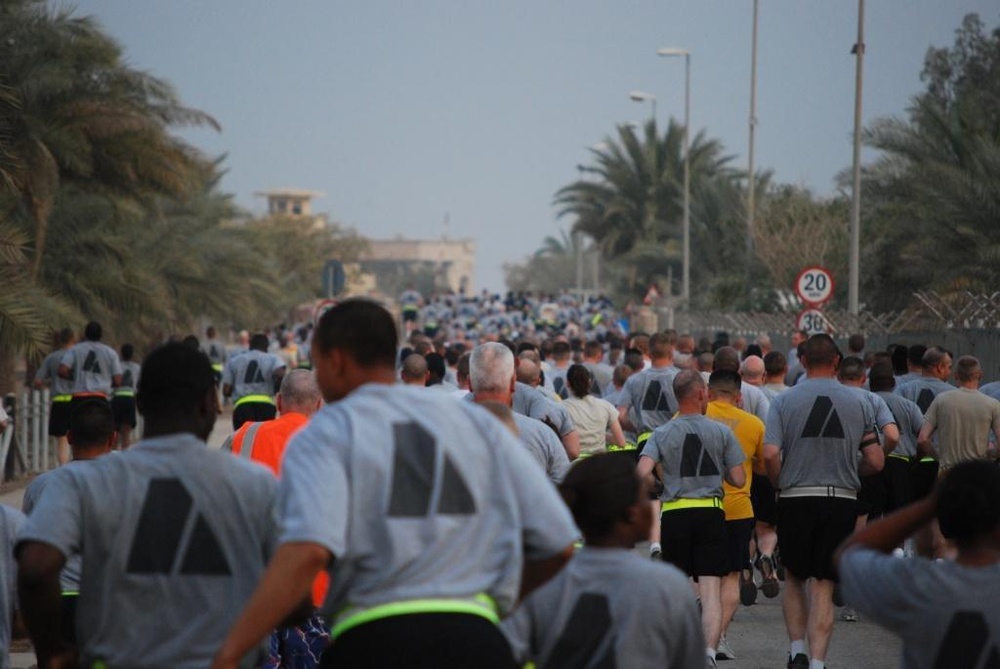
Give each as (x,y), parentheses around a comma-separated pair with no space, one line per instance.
(643,96)
(686,262)
(854,260)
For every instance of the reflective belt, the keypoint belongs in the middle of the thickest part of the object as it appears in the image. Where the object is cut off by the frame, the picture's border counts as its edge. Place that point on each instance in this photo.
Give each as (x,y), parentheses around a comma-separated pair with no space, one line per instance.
(349,618)
(246,446)
(819,491)
(683,503)
(928,459)
(263,399)
(614,448)
(904,458)
(124,393)
(62,398)
(217,366)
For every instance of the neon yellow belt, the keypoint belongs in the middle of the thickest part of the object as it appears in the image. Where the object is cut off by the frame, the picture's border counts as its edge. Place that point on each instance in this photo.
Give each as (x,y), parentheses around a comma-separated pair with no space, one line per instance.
(62,398)
(904,458)
(124,393)
(480,605)
(217,366)
(614,448)
(264,399)
(683,503)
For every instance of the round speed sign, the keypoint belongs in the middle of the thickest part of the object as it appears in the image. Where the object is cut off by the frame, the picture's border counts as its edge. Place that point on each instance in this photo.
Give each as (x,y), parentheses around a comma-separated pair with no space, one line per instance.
(812,321)
(814,285)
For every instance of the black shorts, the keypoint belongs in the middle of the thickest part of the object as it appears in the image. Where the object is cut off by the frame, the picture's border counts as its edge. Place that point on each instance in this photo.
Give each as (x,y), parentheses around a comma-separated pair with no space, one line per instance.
(871,497)
(923,477)
(898,477)
(695,541)
(421,640)
(765,506)
(69,619)
(59,419)
(809,531)
(409,315)
(123,409)
(253,412)
(738,534)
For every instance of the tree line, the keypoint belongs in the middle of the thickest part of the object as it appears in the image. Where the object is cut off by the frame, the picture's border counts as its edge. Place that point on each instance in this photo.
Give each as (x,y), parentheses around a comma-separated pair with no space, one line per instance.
(107,214)
(930,205)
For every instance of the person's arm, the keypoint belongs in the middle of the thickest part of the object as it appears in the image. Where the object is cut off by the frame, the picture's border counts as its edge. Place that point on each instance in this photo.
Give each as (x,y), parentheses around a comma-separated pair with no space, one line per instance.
(624,421)
(645,466)
(286,582)
(227,390)
(772,463)
(571,442)
(116,381)
(617,436)
(536,572)
(66,372)
(925,445)
(736,476)
(890,438)
(40,599)
(872,456)
(887,533)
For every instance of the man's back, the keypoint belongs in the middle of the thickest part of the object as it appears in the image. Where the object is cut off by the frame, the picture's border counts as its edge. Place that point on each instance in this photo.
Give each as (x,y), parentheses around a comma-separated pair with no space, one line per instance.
(48,372)
(93,366)
(923,390)
(818,426)
(267,439)
(402,486)
(908,418)
(174,537)
(649,394)
(964,419)
(252,374)
(543,445)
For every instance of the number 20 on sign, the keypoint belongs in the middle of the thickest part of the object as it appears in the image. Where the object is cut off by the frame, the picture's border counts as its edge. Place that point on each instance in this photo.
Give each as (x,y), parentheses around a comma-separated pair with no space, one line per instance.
(814,285)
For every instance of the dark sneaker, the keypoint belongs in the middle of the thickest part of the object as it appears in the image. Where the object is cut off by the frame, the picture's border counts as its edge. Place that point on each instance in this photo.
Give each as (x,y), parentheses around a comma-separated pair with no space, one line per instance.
(769,586)
(800,661)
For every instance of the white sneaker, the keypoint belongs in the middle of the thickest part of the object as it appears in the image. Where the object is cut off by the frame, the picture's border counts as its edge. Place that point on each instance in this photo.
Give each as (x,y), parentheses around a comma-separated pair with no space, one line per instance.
(849,615)
(723,651)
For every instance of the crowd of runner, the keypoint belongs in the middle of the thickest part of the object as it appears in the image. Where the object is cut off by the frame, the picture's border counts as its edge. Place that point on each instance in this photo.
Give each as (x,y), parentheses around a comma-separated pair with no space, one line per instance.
(504,482)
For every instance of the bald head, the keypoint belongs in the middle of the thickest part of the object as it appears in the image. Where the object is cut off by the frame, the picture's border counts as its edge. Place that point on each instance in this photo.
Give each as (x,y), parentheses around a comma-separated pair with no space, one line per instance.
(752,370)
(414,369)
(528,372)
(299,393)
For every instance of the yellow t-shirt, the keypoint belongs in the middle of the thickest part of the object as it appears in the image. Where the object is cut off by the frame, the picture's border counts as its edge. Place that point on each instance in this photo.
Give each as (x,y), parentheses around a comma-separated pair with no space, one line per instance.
(749,431)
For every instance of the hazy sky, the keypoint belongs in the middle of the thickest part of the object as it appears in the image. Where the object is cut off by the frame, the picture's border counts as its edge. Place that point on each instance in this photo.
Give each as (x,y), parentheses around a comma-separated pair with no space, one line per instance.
(403,112)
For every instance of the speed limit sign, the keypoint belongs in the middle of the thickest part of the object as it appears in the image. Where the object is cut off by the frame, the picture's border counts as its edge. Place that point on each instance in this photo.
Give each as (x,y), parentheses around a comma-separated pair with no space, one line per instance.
(812,321)
(814,285)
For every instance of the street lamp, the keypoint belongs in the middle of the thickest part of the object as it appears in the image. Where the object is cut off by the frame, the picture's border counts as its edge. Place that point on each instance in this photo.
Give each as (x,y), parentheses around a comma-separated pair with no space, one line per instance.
(670,52)
(643,96)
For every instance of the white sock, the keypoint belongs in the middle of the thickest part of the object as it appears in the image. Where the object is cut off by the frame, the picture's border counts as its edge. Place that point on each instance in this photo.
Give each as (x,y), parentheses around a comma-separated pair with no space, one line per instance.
(655,546)
(710,652)
(799,646)
(817,664)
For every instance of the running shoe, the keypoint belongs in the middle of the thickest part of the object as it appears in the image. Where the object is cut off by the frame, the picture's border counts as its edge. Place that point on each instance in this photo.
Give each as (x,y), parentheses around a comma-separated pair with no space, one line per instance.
(723,651)
(849,615)
(770,586)
(800,661)
(779,566)
(710,662)
(655,554)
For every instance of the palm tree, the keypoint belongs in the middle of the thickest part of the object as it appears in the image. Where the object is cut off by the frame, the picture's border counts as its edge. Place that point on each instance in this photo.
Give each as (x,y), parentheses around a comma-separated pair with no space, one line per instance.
(71,111)
(630,201)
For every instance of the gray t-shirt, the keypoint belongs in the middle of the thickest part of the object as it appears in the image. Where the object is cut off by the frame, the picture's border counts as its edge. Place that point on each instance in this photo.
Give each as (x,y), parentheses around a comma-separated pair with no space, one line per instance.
(174,538)
(695,452)
(991,390)
(130,378)
(11,522)
(48,372)
(543,445)
(609,608)
(818,425)
(923,390)
(649,396)
(909,420)
(417,496)
(602,377)
(532,402)
(93,366)
(252,373)
(755,400)
(945,613)
(557,377)
(215,351)
(880,409)
(69,577)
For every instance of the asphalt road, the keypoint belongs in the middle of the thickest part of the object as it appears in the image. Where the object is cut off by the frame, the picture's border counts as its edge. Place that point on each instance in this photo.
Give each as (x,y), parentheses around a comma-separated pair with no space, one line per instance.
(757,634)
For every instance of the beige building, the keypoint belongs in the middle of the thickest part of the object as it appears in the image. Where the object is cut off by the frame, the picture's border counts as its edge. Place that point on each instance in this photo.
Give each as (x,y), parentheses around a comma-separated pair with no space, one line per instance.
(450,263)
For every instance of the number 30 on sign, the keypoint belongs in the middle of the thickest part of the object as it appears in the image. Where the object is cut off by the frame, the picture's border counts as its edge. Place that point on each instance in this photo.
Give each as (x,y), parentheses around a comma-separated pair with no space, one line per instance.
(812,321)
(814,285)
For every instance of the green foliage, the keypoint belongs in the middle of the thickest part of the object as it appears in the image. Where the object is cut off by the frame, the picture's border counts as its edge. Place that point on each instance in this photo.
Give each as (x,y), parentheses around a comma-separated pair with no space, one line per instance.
(933,198)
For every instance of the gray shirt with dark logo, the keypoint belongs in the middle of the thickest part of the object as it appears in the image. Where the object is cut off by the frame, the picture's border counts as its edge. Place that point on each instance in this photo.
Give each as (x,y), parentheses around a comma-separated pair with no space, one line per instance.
(818,425)
(93,366)
(649,396)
